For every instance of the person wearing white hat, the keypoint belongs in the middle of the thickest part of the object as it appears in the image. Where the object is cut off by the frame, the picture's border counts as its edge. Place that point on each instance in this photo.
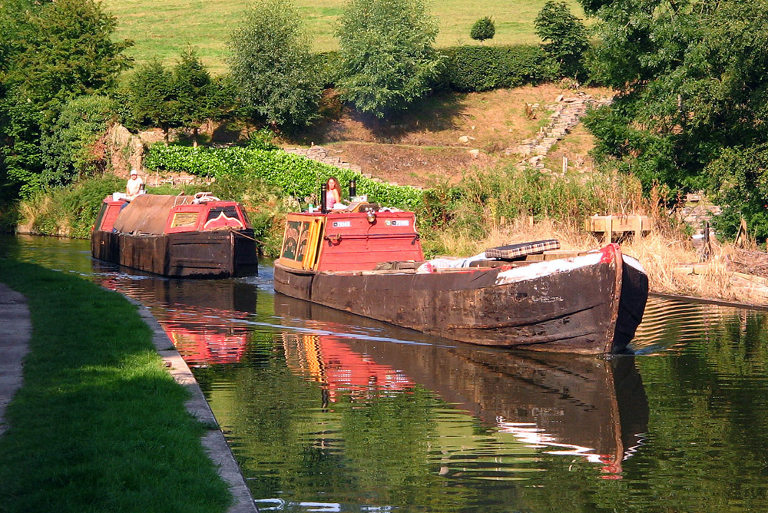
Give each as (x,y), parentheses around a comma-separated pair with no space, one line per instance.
(135,186)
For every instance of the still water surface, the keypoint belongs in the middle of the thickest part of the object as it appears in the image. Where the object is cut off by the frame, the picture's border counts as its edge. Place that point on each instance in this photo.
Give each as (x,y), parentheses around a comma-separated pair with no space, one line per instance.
(329,412)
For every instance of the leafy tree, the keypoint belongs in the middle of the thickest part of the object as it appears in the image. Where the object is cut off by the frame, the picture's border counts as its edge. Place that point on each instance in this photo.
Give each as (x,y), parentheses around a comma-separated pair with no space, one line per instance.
(483,29)
(564,36)
(151,97)
(692,86)
(194,92)
(272,66)
(70,149)
(387,56)
(50,53)
(739,179)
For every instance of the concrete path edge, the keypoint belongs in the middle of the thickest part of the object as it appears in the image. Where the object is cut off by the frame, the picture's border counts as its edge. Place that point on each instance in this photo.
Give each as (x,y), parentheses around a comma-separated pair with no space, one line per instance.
(213,442)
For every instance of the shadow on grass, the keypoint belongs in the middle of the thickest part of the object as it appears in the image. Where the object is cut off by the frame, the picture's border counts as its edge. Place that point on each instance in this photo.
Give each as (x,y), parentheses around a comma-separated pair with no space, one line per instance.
(98,425)
(433,113)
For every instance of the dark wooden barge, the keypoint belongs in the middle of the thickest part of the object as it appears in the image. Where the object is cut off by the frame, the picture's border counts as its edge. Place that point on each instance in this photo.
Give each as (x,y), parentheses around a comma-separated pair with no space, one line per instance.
(179,236)
(371,264)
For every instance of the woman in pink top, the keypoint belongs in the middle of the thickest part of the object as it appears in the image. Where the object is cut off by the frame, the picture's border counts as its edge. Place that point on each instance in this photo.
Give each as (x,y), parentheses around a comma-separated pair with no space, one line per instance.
(332,192)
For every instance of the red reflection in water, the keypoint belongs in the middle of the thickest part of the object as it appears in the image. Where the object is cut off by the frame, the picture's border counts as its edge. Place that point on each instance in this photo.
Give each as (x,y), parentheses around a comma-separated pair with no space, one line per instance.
(341,370)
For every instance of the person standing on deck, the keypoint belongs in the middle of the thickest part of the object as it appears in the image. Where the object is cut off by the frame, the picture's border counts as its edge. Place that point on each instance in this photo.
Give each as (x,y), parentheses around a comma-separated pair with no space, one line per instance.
(134,187)
(332,192)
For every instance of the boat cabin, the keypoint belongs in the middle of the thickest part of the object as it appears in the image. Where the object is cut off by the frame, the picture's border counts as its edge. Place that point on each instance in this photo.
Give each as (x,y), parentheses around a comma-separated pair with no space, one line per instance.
(156,214)
(349,240)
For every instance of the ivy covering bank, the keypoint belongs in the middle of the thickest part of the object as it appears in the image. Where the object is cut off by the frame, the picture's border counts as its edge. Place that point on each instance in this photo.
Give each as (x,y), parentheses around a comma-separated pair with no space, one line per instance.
(297,176)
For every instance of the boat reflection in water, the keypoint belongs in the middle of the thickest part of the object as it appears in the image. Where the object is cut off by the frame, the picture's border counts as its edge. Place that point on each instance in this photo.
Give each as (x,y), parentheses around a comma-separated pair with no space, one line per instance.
(201,317)
(568,405)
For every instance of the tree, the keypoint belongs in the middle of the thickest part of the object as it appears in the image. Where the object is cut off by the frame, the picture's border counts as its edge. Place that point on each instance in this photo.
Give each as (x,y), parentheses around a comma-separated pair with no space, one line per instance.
(69,150)
(387,56)
(272,66)
(151,97)
(483,29)
(692,87)
(50,53)
(564,36)
(193,89)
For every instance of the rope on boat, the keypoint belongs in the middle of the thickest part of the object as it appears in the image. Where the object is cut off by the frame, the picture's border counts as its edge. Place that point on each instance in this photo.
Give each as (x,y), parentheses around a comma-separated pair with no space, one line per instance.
(243,235)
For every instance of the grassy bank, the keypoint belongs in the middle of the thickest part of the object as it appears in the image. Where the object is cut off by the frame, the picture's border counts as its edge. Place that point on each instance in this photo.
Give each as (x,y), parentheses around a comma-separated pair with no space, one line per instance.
(207,25)
(99,424)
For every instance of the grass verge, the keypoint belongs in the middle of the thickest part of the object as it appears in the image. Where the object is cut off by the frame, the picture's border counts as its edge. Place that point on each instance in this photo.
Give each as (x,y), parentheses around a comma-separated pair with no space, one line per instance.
(99,425)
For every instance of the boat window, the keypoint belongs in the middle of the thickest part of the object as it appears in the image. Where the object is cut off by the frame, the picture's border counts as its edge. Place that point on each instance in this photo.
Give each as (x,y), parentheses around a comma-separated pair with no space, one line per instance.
(100,218)
(295,244)
(184,219)
(228,211)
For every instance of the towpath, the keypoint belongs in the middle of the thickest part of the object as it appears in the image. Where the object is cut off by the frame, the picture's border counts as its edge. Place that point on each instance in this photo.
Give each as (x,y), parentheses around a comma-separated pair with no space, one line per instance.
(15,334)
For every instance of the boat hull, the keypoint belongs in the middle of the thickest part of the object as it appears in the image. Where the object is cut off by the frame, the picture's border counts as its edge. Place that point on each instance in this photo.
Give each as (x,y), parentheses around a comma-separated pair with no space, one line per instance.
(569,306)
(218,253)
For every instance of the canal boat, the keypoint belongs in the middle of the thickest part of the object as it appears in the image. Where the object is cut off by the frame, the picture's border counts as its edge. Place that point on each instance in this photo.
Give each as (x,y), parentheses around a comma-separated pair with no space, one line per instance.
(178,236)
(369,261)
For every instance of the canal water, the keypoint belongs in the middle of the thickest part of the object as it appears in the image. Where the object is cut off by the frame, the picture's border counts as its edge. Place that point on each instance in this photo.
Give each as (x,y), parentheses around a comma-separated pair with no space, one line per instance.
(329,412)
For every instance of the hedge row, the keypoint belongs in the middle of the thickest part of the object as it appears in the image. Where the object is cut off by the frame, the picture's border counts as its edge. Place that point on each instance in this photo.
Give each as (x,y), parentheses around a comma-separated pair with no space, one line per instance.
(295,175)
(474,68)
(481,68)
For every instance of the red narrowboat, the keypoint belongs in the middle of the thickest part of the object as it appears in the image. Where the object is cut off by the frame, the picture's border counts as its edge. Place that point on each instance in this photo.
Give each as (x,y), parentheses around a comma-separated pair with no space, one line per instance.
(180,236)
(528,296)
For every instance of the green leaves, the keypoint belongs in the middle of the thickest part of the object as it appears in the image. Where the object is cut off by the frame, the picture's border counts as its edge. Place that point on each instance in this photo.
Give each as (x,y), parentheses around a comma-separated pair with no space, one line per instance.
(483,29)
(297,176)
(272,66)
(386,54)
(564,36)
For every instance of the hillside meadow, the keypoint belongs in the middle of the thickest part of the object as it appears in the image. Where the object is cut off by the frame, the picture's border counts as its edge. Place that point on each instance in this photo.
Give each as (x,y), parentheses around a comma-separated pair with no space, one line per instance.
(164,28)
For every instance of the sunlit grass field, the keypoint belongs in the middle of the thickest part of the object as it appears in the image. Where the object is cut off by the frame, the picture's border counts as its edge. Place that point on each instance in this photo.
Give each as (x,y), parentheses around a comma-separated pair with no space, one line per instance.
(162,28)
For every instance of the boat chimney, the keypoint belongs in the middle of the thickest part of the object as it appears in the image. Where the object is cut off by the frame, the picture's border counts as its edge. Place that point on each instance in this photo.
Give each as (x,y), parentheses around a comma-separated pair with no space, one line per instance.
(352,189)
(323,202)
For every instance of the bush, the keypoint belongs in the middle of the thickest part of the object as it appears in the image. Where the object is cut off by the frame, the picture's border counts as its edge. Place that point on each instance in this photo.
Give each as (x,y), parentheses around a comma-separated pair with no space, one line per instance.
(483,29)
(739,179)
(68,212)
(482,68)
(69,149)
(296,176)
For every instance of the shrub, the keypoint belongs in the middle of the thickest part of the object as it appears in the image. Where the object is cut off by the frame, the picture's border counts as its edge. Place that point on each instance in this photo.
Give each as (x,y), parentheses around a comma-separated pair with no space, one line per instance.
(482,68)
(69,149)
(739,178)
(483,29)
(295,175)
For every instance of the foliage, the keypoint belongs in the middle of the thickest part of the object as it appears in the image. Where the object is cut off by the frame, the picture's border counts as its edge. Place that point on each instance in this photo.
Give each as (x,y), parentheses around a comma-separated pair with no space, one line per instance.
(151,99)
(271,64)
(739,178)
(486,199)
(52,52)
(483,29)
(691,82)
(564,36)
(195,98)
(69,150)
(296,176)
(481,68)
(66,50)
(386,54)
(68,212)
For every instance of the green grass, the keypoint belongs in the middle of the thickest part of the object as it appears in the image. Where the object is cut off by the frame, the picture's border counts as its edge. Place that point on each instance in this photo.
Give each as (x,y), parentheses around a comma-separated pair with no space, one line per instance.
(99,425)
(163,29)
